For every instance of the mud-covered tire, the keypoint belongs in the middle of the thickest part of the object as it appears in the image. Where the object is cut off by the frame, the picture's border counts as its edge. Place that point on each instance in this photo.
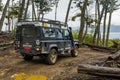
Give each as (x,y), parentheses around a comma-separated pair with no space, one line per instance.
(52,57)
(74,52)
(27,58)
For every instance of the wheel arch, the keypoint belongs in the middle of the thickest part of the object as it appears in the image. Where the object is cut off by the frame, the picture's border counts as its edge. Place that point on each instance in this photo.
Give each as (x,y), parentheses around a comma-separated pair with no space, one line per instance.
(77,45)
(53,46)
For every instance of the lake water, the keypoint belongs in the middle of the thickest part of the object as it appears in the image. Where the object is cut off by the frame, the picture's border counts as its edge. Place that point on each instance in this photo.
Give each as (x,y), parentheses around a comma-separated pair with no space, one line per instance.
(114,35)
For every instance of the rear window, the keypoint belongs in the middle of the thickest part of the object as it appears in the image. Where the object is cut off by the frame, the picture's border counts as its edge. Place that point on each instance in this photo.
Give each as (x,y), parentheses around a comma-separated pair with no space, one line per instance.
(28,31)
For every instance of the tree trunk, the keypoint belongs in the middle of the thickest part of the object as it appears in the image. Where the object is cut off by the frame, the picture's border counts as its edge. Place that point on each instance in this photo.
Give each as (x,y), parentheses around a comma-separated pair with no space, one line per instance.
(12,18)
(97,30)
(80,36)
(97,11)
(39,15)
(0,2)
(33,10)
(108,29)
(12,24)
(104,23)
(56,11)
(85,33)
(42,16)
(104,28)
(8,24)
(96,17)
(82,25)
(99,71)
(68,10)
(4,14)
(21,9)
(26,10)
(0,5)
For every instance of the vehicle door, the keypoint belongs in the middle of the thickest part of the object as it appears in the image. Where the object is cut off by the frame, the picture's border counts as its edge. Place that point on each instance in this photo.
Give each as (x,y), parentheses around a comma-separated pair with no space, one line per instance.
(60,39)
(67,39)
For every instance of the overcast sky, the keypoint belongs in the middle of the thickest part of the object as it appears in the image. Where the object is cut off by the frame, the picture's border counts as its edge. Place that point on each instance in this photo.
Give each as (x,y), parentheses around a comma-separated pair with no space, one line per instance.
(62,12)
(62,8)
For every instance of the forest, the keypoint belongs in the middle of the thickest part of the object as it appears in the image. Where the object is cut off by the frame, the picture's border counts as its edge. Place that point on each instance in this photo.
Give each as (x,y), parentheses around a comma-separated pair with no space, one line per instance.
(95,45)
(14,10)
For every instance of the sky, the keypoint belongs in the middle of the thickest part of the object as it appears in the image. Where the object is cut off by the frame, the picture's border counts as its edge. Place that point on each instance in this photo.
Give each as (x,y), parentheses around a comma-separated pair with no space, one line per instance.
(62,9)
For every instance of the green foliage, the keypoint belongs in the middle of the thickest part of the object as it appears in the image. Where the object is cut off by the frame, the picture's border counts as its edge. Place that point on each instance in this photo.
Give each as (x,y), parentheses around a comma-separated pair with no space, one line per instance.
(13,11)
(111,43)
(89,20)
(88,38)
(75,34)
(79,3)
(1,7)
(118,41)
(43,5)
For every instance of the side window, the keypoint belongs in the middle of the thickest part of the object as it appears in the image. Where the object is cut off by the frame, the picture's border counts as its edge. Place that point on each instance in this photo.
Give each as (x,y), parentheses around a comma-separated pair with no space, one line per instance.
(66,34)
(48,32)
(59,34)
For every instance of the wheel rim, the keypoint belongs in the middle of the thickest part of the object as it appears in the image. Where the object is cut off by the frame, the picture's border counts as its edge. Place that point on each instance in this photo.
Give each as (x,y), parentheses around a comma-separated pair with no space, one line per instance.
(53,57)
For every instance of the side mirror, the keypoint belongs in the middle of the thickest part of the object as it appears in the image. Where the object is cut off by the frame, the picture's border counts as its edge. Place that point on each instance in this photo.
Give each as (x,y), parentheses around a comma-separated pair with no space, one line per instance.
(70,28)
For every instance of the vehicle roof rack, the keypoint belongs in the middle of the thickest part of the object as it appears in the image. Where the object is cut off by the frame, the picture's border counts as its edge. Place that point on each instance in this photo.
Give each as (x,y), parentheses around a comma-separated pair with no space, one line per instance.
(44,20)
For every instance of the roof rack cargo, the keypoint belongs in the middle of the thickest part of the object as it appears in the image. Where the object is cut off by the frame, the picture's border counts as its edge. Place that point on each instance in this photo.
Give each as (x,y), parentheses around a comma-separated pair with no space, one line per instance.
(44,20)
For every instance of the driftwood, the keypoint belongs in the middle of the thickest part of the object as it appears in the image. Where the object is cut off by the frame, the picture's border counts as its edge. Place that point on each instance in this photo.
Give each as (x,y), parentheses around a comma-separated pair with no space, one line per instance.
(99,71)
(6,45)
(114,56)
(100,48)
(113,60)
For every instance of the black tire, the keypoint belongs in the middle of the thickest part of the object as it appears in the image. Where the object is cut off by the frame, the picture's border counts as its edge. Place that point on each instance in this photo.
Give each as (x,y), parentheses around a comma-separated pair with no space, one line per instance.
(74,52)
(27,58)
(52,57)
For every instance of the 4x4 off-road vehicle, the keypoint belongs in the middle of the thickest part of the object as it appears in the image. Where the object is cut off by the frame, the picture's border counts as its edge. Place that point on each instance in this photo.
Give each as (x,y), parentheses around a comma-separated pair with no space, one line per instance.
(46,38)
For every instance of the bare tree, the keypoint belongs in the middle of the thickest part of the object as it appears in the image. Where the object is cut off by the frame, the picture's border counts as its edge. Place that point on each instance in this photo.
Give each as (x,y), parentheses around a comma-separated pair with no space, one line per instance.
(21,9)
(96,37)
(104,23)
(33,10)
(113,6)
(4,14)
(67,14)
(56,6)
(82,22)
(26,9)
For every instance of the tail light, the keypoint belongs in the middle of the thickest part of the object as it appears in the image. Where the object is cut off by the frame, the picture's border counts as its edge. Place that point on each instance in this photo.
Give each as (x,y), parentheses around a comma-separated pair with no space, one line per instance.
(27,48)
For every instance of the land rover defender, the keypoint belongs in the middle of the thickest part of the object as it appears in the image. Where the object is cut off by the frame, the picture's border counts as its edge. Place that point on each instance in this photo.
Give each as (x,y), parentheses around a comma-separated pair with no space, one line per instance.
(46,38)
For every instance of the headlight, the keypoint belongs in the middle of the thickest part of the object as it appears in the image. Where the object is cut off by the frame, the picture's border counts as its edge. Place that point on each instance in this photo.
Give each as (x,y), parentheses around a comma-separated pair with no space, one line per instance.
(37,42)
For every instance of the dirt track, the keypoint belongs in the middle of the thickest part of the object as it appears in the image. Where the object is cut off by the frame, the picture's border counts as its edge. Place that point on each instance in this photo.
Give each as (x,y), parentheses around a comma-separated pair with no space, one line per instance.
(65,69)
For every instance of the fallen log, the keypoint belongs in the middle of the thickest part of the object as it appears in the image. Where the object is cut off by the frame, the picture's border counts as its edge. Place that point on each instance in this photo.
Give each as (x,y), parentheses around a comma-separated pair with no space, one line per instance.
(4,46)
(96,46)
(114,56)
(99,71)
(102,48)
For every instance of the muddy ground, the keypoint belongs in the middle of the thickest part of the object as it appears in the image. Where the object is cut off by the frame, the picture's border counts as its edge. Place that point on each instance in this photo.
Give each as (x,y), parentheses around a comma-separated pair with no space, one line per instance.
(12,63)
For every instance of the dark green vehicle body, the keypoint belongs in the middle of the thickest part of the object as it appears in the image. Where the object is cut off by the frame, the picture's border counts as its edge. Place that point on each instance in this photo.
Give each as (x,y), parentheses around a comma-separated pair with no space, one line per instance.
(38,38)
